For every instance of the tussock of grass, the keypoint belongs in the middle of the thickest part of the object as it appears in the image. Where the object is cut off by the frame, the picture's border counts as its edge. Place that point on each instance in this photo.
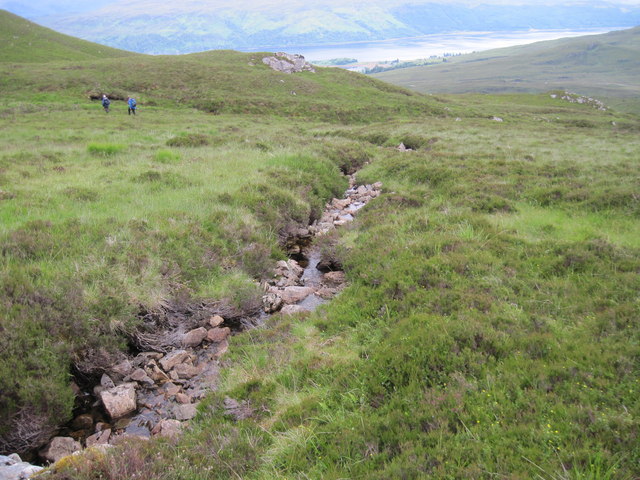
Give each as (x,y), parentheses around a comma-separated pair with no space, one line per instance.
(104,149)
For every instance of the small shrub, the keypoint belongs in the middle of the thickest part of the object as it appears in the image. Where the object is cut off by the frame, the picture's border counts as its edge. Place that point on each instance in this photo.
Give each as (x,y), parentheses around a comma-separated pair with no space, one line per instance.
(104,149)
(189,140)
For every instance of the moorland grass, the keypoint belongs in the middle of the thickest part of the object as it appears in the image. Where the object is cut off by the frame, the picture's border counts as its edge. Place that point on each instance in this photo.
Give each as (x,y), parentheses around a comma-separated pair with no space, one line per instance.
(488,328)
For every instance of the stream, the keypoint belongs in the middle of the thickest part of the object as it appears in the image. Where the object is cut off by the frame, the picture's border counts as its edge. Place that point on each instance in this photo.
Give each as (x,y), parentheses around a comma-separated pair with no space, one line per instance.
(158,389)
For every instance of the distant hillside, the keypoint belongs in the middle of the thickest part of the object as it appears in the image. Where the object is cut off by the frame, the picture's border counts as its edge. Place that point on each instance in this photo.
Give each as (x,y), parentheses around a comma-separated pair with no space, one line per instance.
(24,41)
(156,27)
(607,66)
(220,81)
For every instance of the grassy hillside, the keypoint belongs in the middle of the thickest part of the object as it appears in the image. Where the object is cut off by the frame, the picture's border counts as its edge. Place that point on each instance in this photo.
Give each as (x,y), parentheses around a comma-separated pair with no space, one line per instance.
(606,66)
(214,82)
(24,41)
(489,326)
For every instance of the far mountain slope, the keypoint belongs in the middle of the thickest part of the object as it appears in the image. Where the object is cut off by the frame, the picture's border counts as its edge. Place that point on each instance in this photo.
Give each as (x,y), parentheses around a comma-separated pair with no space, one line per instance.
(24,41)
(607,66)
(152,26)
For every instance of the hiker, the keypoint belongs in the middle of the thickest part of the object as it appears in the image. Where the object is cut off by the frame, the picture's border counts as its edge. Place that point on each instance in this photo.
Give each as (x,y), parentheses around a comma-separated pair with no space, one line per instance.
(132,105)
(105,103)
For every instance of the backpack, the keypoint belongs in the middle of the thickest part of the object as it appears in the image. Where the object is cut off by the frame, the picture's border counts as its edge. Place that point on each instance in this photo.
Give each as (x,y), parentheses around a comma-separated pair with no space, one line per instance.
(132,103)
(105,102)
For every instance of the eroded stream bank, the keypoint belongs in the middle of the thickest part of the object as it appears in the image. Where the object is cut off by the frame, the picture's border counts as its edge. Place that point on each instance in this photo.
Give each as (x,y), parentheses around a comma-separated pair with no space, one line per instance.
(156,390)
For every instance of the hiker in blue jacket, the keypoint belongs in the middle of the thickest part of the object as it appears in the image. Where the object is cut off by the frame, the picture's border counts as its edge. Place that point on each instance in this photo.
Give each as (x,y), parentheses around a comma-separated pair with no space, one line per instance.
(105,103)
(132,105)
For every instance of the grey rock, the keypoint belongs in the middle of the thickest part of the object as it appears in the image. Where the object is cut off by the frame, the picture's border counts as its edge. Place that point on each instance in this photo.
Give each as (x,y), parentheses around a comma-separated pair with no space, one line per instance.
(183,398)
(100,438)
(122,369)
(139,375)
(216,321)
(106,382)
(272,302)
(186,371)
(59,447)
(120,400)
(216,335)
(288,63)
(222,348)
(13,468)
(184,412)
(194,337)
(334,278)
(168,428)
(155,373)
(170,389)
(295,294)
(174,358)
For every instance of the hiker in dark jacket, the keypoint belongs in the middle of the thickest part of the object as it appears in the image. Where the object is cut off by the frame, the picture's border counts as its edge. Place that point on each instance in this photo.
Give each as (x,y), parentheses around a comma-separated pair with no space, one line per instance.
(132,105)
(105,103)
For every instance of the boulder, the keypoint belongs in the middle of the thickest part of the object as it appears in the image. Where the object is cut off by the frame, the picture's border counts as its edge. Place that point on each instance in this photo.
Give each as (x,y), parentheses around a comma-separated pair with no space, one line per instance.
(183,398)
(184,412)
(186,371)
(139,375)
(288,63)
(294,268)
(334,278)
(222,348)
(326,293)
(216,335)
(216,321)
(106,382)
(122,369)
(174,358)
(168,428)
(119,401)
(59,447)
(194,337)
(271,302)
(13,468)
(341,203)
(155,373)
(170,389)
(100,438)
(295,294)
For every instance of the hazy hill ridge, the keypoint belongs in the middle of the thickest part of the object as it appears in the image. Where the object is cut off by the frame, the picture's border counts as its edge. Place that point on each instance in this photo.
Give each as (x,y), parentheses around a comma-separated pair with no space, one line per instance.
(149,26)
(606,65)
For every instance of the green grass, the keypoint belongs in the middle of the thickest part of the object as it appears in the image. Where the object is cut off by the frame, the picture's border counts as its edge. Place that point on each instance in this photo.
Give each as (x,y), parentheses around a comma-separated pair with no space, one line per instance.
(489,328)
(24,41)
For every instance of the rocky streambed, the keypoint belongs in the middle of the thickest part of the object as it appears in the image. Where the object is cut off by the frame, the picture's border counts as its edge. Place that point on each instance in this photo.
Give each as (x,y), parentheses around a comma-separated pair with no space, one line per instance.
(154,392)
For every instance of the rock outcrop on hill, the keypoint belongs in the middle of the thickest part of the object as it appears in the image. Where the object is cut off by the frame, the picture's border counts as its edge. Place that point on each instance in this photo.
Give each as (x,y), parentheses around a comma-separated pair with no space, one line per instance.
(288,63)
